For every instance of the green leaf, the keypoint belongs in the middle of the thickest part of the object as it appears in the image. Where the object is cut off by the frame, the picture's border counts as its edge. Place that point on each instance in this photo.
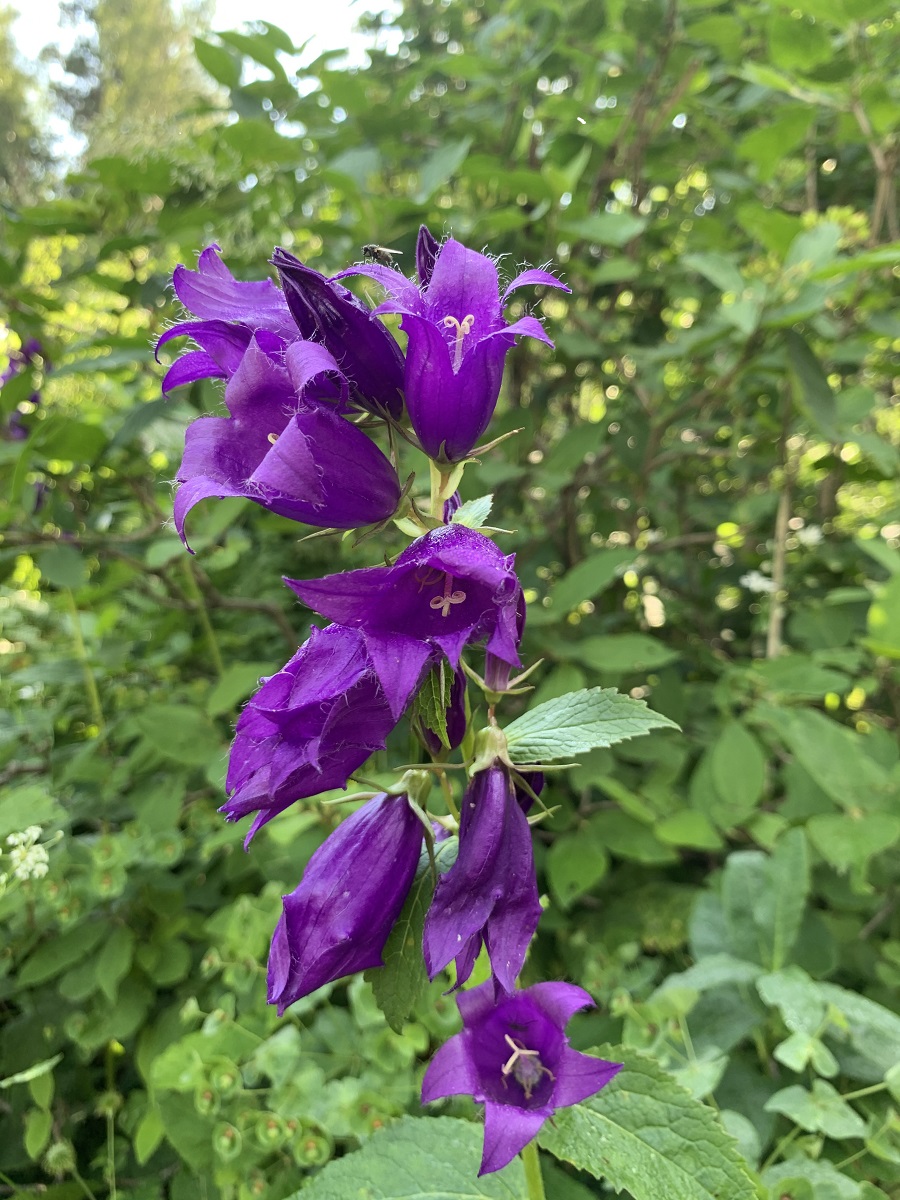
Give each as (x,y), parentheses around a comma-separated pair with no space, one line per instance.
(474,513)
(400,982)
(579,722)
(884,619)
(433,700)
(719,270)
(738,768)
(589,578)
(224,67)
(607,229)
(237,681)
(647,1134)
(821,1110)
(149,1133)
(418,1158)
(575,863)
(849,840)
(438,168)
(114,960)
(783,903)
(625,653)
(30,804)
(63,567)
(688,828)
(61,952)
(38,1125)
(179,732)
(816,394)
(836,758)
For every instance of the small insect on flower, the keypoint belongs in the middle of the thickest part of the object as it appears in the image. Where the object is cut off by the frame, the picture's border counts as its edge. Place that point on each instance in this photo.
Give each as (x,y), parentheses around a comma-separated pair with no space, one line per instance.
(380,254)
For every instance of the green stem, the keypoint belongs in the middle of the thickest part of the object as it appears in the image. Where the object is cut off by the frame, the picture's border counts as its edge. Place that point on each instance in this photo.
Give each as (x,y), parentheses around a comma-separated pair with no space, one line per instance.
(90,683)
(866,1091)
(83,1185)
(534,1181)
(193,590)
(17,1191)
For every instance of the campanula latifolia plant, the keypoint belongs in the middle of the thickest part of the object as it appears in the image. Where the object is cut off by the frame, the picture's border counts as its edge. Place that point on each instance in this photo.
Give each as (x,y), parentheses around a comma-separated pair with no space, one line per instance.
(320,401)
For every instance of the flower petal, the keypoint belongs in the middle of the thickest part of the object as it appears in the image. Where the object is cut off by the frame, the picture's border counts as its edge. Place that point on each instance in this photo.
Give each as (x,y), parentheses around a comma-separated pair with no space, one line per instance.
(449,1072)
(212,292)
(561,1001)
(534,277)
(579,1076)
(507,1130)
(464,283)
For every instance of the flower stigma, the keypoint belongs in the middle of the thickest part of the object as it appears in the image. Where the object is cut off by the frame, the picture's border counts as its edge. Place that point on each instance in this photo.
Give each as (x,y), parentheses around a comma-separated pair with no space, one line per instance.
(462,328)
(449,597)
(524,1065)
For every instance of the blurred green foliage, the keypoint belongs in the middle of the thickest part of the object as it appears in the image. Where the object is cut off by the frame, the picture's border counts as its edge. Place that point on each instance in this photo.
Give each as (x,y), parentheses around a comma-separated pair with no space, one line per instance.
(706,515)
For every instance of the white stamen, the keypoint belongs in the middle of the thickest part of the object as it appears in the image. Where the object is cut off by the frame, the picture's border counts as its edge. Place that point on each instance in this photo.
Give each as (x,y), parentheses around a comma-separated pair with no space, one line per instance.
(462,328)
(448,598)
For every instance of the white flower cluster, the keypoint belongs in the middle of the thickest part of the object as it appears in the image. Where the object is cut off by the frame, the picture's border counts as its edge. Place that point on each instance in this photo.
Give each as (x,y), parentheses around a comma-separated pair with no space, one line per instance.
(27,859)
(810,536)
(755,581)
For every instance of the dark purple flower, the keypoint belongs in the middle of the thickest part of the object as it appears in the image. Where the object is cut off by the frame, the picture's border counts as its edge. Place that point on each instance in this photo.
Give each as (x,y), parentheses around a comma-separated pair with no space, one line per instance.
(448,588)
(328,313)
(490,893)
(339,918)
(231,311)
(514,1057)
(285,448)
(458,340)
(312,725)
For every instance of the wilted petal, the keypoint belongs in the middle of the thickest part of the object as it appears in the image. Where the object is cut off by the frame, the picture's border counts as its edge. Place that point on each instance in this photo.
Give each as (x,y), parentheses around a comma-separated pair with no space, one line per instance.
(327,312)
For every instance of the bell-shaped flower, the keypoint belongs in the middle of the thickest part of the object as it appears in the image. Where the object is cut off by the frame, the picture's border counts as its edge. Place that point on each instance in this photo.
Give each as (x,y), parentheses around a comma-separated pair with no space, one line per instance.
(316,721)
(286,448)
(326,312)
(489,896)
(458,339)
(451,587)
(231,312)
(513,1056)
(354,886)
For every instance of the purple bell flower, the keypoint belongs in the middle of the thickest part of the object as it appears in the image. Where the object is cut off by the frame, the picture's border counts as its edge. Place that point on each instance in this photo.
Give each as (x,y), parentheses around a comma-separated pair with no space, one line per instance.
(337,921)
(490,893)
(285,448)
(315,722)
(458,339)
(231,311)
(326,312)
(513,1056)
(448,588)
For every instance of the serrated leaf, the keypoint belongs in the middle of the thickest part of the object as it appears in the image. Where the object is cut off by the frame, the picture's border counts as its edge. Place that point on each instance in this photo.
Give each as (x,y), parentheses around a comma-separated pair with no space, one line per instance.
(417,1158)
(474,513)
(578,722)
(647,1135)
(399,983)
(433,700)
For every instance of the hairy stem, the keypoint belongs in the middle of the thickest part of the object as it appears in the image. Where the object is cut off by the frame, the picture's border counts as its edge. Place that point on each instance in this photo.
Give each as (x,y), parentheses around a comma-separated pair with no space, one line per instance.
(534,1181)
